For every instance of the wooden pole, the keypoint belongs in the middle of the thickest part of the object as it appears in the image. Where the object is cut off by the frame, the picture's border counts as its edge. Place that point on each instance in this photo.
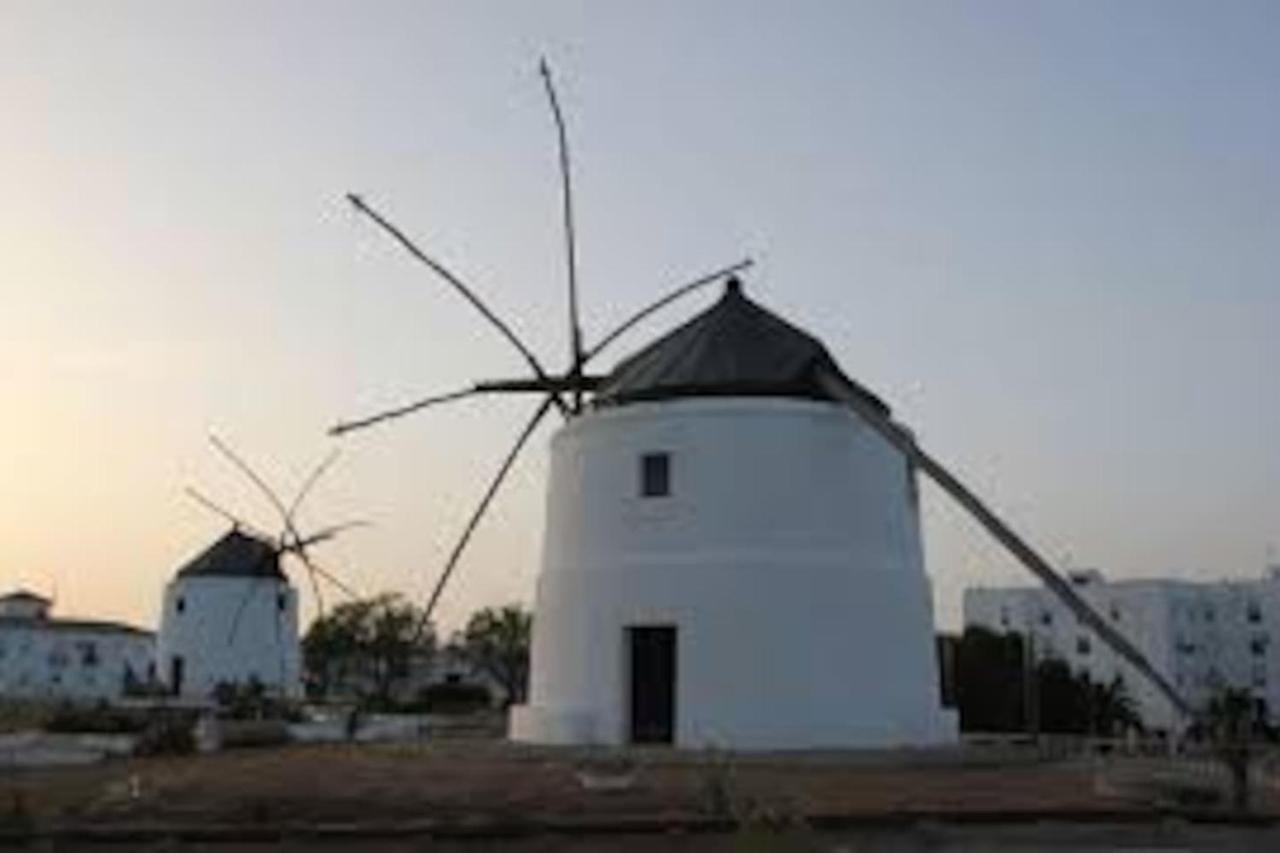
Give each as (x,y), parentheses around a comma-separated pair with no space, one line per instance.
(571,256)
(1015,544)
(474,521)
(467,293)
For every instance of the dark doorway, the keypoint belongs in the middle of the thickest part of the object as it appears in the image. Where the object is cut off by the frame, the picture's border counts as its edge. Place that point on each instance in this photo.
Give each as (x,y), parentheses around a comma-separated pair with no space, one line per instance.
(176,666)
(653,683)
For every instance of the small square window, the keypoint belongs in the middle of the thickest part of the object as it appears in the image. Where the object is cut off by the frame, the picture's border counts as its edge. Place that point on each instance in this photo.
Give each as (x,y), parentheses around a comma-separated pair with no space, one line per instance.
(655,475)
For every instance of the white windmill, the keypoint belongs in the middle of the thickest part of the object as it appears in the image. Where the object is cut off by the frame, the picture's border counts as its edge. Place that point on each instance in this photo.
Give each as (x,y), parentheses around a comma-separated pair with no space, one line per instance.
(230,614)
(733,551)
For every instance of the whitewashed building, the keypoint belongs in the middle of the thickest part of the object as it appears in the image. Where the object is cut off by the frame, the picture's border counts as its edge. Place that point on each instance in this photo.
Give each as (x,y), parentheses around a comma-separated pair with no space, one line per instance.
(230,615)
(732,556)
(43,657)
(1202,635)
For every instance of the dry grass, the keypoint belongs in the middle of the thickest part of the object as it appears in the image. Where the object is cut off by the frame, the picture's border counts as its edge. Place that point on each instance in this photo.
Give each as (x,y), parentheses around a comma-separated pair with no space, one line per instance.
(338,783)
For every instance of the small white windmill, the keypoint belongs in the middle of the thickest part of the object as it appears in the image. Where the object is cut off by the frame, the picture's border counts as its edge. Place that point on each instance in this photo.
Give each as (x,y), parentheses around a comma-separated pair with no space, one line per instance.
(230,613)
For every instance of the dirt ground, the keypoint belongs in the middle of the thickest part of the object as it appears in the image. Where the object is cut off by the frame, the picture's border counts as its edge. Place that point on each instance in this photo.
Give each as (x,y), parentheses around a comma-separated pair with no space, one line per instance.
(463,784)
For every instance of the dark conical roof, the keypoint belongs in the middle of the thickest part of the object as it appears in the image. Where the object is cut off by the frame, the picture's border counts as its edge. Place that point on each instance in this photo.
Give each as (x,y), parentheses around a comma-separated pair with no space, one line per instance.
(236,554)
(734,348)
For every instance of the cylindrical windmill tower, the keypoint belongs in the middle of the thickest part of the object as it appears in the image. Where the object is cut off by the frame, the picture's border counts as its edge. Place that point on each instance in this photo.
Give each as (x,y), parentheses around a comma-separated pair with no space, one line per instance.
(732,556)
(230,615)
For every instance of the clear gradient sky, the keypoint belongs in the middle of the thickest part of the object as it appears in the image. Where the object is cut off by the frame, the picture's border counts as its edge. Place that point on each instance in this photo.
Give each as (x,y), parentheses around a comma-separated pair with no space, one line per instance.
(1047,234)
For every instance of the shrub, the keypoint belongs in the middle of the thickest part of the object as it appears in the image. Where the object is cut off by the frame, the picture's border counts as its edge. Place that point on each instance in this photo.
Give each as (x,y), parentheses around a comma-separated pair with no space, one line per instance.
(250,701)
(168,732)
(453,698)
(96,719)
(16,716)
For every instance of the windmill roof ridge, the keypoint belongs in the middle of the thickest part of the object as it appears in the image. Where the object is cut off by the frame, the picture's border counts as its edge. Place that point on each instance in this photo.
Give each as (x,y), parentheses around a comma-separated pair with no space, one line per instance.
(235,554)
(736,347)
(22,594)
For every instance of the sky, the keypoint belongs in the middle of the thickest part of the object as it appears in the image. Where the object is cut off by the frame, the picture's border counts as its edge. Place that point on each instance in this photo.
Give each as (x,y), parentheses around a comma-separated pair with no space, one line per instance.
(1046,233)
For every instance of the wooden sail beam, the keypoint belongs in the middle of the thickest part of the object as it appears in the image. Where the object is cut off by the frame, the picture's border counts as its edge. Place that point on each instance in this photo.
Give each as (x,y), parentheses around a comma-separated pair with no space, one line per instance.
(551,385)
(457,284)
(677,293)
(452,563)
(570,239)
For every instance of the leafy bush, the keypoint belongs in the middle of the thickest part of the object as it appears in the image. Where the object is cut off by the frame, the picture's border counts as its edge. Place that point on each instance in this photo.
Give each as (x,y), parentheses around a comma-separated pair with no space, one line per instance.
(95,719)
(16,716)
(250,701)
(168,732)
(453,698)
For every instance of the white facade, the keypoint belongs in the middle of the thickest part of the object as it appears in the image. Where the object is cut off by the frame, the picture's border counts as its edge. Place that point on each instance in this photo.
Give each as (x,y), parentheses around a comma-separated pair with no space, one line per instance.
(47,658)
(229,628)
(786,557)
(1200,635)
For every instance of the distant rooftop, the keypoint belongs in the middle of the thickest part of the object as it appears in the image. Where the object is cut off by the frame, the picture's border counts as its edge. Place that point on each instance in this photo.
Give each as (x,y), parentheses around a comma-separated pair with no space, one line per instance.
(25,609)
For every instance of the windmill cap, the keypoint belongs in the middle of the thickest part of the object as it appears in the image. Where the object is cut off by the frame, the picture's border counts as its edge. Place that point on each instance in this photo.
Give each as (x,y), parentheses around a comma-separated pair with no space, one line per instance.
(735,348)
(236,554)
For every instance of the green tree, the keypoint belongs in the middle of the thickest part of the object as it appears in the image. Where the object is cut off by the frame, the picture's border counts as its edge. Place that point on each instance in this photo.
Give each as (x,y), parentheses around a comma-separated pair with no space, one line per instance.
(989,681)
(366,646)
(1112,709)
(992,696)
(1072,703)
(1232,723)
(496,642)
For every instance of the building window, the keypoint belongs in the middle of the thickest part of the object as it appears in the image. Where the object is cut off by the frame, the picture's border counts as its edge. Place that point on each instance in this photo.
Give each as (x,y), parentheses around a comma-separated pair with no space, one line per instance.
(1255,612)
(1082,645)
(1258,646)
(1208,614)
(181,604)
(88,654)
(1046,618)
(281,602)
(655,475)
(1115,613)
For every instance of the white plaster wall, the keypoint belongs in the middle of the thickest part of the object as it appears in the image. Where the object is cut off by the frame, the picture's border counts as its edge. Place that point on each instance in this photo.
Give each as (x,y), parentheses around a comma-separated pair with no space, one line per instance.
(264,643)
(788,557)
(47,660)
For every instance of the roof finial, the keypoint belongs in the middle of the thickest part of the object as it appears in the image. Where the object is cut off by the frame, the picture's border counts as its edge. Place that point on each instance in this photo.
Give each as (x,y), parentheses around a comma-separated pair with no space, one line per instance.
(733,286)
